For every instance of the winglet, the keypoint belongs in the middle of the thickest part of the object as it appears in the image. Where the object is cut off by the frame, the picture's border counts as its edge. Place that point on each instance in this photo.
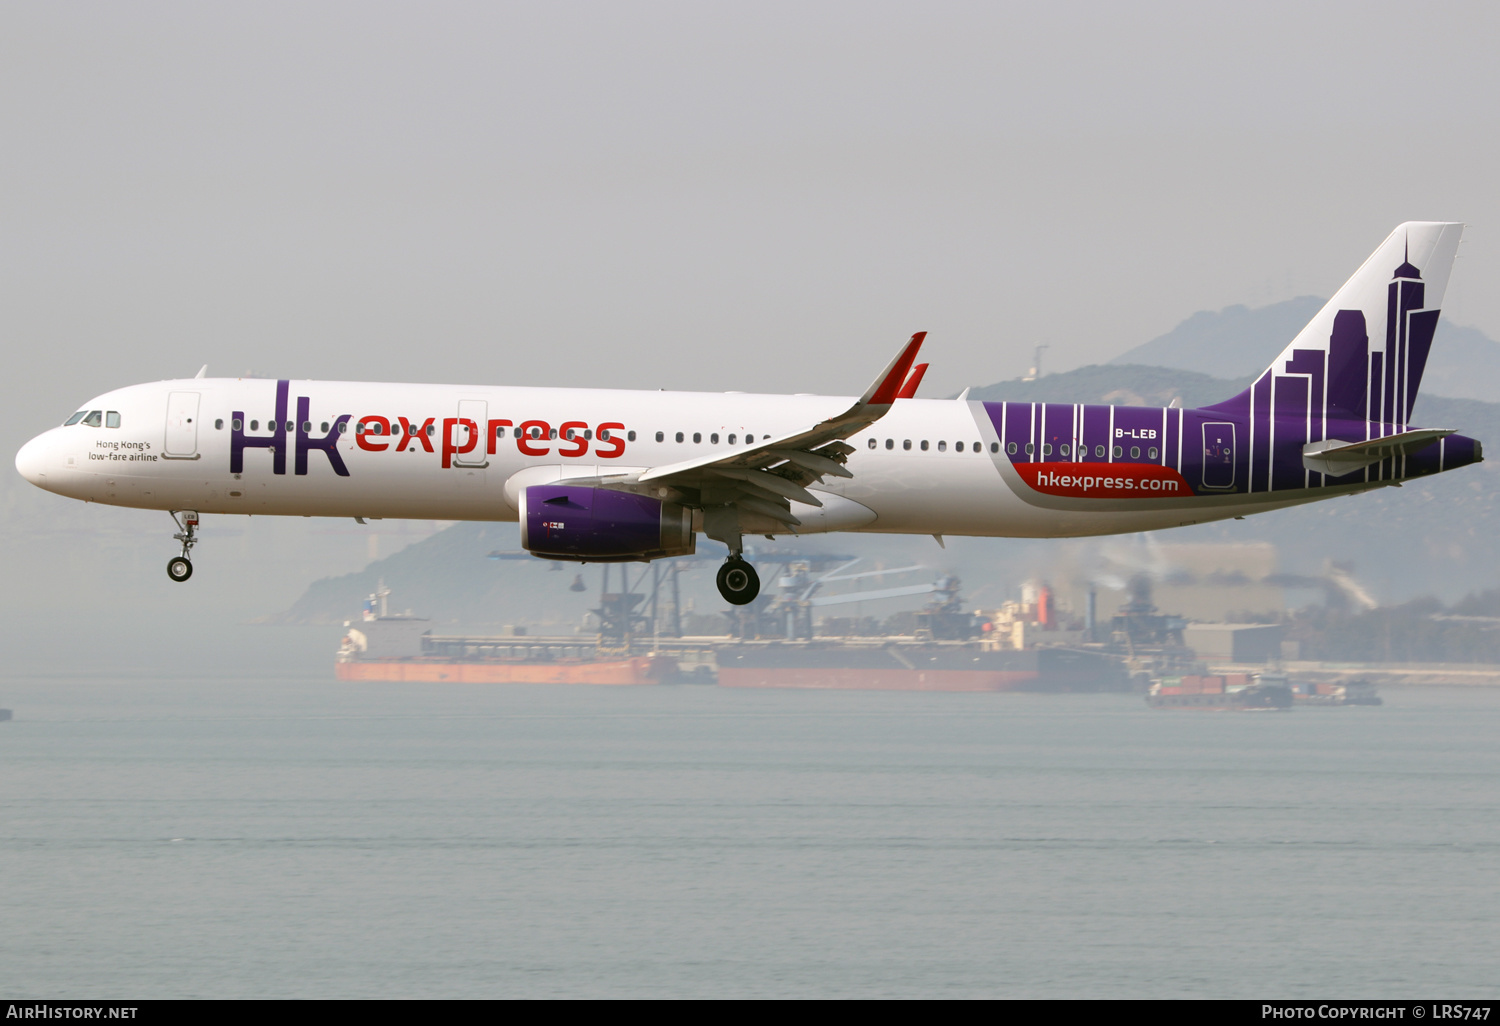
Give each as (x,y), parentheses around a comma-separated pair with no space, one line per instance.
(884,391)
(909,390)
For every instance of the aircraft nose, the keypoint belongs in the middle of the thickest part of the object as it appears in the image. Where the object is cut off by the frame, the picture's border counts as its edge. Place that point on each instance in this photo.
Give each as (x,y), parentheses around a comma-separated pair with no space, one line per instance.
(31,461)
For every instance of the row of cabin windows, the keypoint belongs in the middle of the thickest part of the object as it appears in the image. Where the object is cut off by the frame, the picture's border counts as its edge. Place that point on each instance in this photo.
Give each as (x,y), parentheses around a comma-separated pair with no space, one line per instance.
(713,438)
(924,445)
(1066,450)
(94,418)
(291,425)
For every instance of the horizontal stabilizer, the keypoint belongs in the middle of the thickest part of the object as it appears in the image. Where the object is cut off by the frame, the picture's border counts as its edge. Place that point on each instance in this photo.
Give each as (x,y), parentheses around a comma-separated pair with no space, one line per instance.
(1336,458)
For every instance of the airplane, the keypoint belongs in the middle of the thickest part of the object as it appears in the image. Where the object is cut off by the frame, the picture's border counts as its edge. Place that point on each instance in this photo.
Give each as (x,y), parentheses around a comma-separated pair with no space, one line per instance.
(602,475)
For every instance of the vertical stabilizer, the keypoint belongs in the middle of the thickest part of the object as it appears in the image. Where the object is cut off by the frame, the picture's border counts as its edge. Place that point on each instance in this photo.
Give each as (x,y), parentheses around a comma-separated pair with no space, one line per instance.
(1362,356)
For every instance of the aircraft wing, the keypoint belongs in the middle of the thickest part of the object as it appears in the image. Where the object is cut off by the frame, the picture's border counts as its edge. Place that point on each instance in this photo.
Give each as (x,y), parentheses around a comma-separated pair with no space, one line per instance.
(764,477)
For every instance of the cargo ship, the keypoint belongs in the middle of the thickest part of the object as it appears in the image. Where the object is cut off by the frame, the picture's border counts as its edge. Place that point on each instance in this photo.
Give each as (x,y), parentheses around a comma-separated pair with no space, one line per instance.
(1230,692)
(885,664)
(386,647)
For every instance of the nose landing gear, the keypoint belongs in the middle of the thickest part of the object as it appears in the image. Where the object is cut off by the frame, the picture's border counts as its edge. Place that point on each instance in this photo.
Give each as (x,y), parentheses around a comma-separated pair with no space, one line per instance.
(738,581)
(180,568)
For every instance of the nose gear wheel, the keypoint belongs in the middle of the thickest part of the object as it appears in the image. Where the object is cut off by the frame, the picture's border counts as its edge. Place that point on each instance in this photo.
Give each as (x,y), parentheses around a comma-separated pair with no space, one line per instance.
(180,568)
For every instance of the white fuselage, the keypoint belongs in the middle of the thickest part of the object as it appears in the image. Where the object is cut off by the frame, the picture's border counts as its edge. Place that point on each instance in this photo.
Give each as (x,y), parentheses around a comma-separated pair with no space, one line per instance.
(172,450)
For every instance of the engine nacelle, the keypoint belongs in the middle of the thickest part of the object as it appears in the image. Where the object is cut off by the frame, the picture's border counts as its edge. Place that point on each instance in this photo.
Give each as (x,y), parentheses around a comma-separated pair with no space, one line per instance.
(601,525)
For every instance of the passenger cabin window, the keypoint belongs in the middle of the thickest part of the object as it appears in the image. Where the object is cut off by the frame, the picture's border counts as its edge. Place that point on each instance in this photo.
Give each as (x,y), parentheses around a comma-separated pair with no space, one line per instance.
(942,447)
(630,436)
(1010,447)
(924,445)
(731,439)
(237,424)
(1118,452)
(1029,449)
(323,427)
(890,443)
(112,419)
(906,444)
(714,438)
(218,425)
(1099,452)
(959,447)
(75,418)
(255,425)
(661,436)
(1046,448)
(1135,452)
(1151,452)
(873,443)
(1064,449)
(697,437)
(679,436)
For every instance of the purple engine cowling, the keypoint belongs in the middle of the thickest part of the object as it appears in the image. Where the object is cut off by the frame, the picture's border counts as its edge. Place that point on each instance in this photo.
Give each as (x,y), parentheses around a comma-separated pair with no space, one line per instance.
(601,525)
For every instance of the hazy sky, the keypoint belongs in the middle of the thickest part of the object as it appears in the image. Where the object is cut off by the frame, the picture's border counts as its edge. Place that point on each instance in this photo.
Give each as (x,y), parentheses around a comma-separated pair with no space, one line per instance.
(758,196)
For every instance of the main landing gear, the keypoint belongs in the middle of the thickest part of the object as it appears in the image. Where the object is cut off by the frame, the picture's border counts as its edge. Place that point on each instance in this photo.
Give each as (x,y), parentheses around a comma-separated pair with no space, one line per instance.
(738,581)
(180,568)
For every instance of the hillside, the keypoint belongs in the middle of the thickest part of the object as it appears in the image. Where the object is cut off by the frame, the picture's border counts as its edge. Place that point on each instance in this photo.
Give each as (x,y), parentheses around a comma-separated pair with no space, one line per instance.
(1121,385)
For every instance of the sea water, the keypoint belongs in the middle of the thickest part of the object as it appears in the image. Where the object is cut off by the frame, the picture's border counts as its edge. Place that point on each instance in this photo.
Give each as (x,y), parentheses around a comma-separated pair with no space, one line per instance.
(297,837)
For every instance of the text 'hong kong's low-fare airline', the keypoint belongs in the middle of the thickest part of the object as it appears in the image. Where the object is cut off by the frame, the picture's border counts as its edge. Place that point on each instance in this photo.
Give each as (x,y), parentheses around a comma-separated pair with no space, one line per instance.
(598,475)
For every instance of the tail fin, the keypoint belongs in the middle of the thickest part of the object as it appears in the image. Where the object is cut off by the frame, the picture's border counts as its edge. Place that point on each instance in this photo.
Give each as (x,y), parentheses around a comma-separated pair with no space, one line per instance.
(1362,356)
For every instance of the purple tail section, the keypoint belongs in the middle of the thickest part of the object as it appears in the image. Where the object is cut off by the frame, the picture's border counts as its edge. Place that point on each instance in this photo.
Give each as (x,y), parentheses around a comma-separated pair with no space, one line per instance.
(1351,375)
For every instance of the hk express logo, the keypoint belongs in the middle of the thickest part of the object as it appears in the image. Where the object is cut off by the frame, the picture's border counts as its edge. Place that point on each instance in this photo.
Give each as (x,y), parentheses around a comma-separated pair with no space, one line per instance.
(460,436)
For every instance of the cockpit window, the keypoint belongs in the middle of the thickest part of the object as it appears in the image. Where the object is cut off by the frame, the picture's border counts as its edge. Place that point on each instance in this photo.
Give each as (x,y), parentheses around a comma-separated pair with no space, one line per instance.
(76,418)
(112,419)
(95,418)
